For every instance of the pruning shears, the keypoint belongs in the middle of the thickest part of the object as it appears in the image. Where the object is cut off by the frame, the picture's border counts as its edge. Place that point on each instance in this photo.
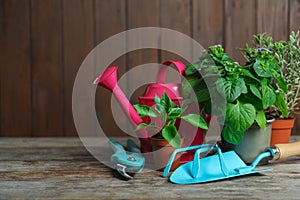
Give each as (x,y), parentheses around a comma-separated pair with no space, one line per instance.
(127,163)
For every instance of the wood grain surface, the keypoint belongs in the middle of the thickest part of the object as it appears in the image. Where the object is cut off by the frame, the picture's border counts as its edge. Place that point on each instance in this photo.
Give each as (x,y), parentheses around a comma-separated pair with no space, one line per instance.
(110,19)
(240,25)
(176,15)
(79,34)
(208,28)
(61,168)
(294,15)
(47,65)
(269,21)
(15,76)
(139,15)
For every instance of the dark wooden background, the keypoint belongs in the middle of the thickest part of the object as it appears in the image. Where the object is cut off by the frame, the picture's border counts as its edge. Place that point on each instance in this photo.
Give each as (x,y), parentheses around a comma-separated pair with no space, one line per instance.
(43,43)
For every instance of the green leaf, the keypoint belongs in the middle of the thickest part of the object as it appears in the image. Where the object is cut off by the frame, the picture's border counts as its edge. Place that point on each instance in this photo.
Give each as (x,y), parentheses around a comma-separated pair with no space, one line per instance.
(231,135)
(240,116)
(166,102)
(196,120)
(171,121)
(170,133)
(160,109)
(202,94)
(140,126)
(152,127)
(156,99)
(175,112)
(188,85)
(261,119)
(233,89)
(208,107)
(281,105)
(163,114)
(261,69)
(255,91)
(244,87)
(191,69)
(192,85)
(252,99)
(144,111)
(268,95)
(149,127)
(281,83)
(249,74)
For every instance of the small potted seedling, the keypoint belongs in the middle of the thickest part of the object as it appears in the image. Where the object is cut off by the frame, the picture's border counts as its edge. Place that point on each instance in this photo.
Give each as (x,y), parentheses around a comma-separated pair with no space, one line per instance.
(164,117)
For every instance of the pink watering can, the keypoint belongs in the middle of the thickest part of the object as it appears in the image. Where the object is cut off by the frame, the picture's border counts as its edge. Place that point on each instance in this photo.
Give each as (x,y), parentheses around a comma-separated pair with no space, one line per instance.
(108,80)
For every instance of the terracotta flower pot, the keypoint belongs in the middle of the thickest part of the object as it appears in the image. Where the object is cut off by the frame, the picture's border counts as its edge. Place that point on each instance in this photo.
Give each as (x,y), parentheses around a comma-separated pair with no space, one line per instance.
(162,151)
(281,131)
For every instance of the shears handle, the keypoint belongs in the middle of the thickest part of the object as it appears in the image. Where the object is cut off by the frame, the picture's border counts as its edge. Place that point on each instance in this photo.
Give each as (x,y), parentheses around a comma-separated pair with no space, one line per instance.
(132,147)
(116,146)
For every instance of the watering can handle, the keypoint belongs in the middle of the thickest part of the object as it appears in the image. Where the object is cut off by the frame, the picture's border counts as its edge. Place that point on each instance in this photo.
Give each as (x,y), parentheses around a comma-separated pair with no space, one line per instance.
(163,69)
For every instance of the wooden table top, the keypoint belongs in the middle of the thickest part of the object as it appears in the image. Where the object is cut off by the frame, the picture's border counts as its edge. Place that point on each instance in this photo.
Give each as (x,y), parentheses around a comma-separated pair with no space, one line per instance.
(61,168)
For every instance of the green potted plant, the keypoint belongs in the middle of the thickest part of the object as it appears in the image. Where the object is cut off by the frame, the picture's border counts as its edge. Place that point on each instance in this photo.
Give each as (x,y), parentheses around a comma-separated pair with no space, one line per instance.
(249,90)
(163,118)
(287,54)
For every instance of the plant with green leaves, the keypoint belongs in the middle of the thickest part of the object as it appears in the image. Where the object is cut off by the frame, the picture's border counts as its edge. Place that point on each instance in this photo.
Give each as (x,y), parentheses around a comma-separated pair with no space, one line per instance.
(249,90)
(168,113)
(287,54)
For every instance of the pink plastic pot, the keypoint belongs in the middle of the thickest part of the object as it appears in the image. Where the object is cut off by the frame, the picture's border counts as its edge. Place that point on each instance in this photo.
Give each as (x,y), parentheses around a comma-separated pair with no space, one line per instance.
(108,79)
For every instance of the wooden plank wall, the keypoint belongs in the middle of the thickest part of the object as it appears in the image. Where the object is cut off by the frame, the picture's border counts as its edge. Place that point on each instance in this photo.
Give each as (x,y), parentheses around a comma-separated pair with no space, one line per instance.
(43,43)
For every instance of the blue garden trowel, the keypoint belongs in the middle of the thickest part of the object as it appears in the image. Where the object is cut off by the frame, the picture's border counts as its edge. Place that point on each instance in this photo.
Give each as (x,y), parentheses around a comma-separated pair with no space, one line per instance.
(223,165)
(127,163)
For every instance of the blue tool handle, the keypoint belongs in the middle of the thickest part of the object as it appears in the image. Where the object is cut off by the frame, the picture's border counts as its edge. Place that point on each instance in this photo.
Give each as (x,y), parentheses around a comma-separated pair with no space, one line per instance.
(132,147)
(196,163)
(172,157)
(116,146)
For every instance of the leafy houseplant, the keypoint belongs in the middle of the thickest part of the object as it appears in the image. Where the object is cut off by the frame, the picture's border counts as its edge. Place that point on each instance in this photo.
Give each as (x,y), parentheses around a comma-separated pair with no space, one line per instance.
(249,90)
(287,54)
(168,113)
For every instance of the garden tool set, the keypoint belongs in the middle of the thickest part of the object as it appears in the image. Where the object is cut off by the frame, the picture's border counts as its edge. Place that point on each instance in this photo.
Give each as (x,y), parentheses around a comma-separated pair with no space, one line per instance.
(221,165)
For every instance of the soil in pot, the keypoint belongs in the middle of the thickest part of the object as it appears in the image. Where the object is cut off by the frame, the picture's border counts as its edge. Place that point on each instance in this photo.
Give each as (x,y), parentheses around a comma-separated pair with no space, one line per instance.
(281,131)
(162,151)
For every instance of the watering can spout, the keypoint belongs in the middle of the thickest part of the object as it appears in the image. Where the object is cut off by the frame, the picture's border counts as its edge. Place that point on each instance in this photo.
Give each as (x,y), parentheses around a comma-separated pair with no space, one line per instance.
(108,80)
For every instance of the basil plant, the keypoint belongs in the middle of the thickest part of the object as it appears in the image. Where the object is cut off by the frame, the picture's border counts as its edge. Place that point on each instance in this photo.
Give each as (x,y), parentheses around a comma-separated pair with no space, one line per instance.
(248,90)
